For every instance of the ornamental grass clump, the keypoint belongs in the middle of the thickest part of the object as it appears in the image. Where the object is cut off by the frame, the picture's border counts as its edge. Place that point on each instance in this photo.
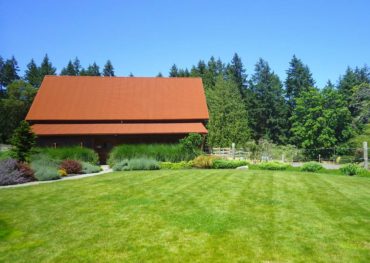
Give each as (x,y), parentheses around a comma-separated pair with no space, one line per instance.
(204,161)
(228,164)
(137,164)
(353,169)
(273,166)
(176,166)
(45,168)
(88,168)
(73,153)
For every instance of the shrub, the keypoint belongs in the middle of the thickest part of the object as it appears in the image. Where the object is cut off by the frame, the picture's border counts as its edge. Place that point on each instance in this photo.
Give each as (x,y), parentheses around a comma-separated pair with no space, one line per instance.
(159,152)
(191,144)
(23,140)
(73,153)
(11,172)
(311,167)
(137,164)
(204,161)
(5,155)
(228,164)
(45,168)
(273,166)
(353,169)
(62,172)
(88,168)
(26,170)
(176,166)
(71,166)
(120,165)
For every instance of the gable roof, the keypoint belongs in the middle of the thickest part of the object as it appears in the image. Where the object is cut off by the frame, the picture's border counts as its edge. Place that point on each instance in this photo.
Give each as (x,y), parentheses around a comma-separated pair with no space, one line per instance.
(119,98)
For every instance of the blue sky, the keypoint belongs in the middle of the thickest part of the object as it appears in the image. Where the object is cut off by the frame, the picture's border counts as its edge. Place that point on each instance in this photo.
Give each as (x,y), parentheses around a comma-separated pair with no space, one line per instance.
(147,37)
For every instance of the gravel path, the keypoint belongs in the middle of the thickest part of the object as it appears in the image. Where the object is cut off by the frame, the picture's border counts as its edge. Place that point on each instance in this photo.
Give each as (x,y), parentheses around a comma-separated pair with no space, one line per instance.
(105,168)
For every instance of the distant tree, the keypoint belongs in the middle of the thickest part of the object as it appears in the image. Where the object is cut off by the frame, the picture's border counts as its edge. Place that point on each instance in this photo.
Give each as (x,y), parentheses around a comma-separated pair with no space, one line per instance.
(108,70)
(228,118)
(173,71)
(92,70)
(299,79)
(131,75)
(320,121)
(32,74)
(23,140)
(236,71)
(77,66)
(9,72)
(353,78)
(360,104)
(266,104)
(46,68)
(14,107)
(159,75)
(69,70)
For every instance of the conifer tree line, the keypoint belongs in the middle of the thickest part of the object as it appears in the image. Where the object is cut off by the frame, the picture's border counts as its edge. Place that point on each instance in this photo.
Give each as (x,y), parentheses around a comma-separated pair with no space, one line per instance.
(242,108)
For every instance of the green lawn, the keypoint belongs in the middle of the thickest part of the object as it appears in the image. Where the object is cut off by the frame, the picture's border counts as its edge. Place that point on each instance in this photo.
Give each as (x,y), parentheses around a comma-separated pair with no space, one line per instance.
(189,216)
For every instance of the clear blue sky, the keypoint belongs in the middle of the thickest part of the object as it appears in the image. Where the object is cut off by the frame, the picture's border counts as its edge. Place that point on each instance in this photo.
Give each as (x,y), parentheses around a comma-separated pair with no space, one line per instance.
(147,37)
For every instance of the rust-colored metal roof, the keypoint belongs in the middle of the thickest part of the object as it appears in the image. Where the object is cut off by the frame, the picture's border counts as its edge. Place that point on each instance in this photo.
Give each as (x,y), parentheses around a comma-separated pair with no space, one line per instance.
(118,128)
(119,98)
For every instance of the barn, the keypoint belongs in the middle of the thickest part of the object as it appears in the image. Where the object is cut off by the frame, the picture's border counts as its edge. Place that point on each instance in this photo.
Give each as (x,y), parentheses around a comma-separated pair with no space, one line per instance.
(101,112)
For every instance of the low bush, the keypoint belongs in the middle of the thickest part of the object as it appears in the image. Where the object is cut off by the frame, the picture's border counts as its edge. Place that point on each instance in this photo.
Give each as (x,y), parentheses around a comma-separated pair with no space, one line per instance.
(73,153)
(176,166)
(311,167)
(71,166)
(12,172)
(353,169)
(137,164)
(204,161)
(191,144)
(26,170)
(88,168)
(159,152)
(273,166)
(45,168)
(62,172)
(5,155)
(228,164)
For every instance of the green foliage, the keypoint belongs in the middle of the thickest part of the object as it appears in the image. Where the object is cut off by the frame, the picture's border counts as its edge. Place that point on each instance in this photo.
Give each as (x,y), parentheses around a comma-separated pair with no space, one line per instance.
(23,141)
(8,72)
(159,152)
(108,70)
(352,78)
(353,169)
(176,166)
(5,154)
(46,68)
(88,168)
(32,74)
(266,104)
(228,164)
(360,104)
(273,166)
(45,168)
(311,167)
(137,164)
(204,161)
(73,152)
(320,120)
(228,117)
(192,143)
(92,70)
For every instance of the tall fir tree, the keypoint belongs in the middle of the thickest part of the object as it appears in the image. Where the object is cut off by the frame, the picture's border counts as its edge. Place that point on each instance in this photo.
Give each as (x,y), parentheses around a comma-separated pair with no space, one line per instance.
(266,104)
(108,70)
(299,79)
(9,72)
(352,78)
(69,70)
(92,70)
(46,68)
(23,141)
(32,74)
(159,75)
(236,71)
(174,72)
(77,66)
(228,117)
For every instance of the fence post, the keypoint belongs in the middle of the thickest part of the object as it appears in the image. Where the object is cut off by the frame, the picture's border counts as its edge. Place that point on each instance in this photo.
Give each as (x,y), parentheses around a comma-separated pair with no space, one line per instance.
(319,158)
(233,150)
(283,158)
(366,160)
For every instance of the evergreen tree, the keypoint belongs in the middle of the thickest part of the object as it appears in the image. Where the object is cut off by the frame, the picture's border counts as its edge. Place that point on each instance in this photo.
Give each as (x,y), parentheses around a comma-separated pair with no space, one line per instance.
(131,75)
(9,72)
(108,70)
(266,104)
(228,118)
(236,71)
(360,105)
(174,71)
(159,75)
(353,78)
(299,79)
(46,68)
(77,66)
(32,74)
(92,70)
(69,70)
(23,140)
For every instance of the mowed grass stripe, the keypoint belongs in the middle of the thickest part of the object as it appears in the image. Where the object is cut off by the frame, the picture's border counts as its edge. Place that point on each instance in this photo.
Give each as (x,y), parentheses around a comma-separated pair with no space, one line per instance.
(189,215)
